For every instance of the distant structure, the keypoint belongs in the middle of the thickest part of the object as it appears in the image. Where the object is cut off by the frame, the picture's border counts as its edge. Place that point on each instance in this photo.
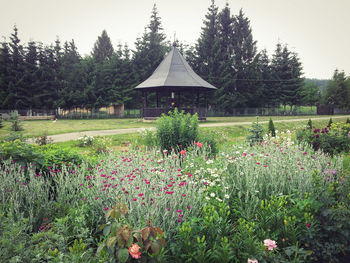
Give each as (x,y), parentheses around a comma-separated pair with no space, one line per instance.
(174,84)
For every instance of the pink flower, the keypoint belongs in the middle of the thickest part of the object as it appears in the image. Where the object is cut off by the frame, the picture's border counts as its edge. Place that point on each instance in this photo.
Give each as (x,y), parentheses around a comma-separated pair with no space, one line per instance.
(252,260)
(134,251)
(199,144)
(183,152)
(106,208)
(308,225)
(270,244)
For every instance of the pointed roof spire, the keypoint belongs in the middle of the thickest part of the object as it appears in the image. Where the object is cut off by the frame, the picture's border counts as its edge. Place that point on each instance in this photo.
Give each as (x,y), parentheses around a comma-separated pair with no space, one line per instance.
(176,73)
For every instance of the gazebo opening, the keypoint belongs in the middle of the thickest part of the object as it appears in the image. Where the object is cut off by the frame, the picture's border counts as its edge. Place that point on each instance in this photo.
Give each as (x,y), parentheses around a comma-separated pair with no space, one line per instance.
(174,84)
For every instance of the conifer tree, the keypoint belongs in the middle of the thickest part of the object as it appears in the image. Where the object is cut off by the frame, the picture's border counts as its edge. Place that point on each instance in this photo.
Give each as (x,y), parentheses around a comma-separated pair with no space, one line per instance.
(271,128)
(5,67)
(103,48)
(207,46)
(287,74)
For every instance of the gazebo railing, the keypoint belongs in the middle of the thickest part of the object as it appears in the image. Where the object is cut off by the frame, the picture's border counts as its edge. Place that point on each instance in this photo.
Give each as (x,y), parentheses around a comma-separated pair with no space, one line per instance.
(152,113)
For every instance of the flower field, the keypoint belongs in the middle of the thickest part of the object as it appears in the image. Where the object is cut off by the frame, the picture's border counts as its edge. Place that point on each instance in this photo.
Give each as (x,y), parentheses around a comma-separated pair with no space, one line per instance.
(273,202)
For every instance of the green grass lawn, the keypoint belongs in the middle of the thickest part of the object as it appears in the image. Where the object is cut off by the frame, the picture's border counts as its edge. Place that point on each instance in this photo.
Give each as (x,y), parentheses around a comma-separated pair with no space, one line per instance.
(38,127)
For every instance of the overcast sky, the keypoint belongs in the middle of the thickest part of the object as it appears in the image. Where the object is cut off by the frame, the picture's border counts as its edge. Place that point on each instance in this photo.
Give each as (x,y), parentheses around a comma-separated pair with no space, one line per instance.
(318,30)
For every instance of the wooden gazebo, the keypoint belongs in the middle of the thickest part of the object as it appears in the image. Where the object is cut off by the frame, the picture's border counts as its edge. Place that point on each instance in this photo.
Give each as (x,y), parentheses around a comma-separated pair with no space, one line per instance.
(174,84)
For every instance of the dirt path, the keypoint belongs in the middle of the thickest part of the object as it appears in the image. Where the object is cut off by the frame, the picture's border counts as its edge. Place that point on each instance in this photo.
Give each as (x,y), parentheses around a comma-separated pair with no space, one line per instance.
(75,135)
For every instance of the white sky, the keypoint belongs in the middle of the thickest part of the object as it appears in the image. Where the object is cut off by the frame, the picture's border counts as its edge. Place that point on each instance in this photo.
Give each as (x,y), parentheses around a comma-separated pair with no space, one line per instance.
(318,30)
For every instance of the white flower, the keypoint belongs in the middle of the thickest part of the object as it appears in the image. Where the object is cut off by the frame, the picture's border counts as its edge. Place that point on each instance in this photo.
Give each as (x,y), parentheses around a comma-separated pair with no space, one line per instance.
(227,196)
(212,194)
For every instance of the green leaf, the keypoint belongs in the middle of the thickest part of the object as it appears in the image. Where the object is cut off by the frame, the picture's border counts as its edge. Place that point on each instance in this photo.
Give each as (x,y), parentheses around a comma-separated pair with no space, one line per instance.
(111,241)
(123,255)
(107,230)
(100,247)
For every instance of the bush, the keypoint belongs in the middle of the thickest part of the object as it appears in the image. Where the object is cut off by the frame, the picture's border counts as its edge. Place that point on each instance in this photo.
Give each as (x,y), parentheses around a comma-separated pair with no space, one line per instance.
(256,133)
(1,124)
(271,128)
(177,130)
(16,124)
(43,139)
(85,141)
(331,140)
(21,153)
(309,124)
(13,136)
(330,122)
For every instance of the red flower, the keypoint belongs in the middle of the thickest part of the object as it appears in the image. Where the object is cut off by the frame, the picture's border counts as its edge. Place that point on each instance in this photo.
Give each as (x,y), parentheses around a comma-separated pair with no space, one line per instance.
(308,225)
(183,152)
(199,144)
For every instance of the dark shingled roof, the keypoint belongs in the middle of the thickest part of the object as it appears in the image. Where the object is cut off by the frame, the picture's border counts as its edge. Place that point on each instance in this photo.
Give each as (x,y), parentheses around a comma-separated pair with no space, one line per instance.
(174,72)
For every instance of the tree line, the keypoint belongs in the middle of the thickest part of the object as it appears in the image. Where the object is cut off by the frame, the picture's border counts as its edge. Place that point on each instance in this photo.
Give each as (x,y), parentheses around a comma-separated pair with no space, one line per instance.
(38,76)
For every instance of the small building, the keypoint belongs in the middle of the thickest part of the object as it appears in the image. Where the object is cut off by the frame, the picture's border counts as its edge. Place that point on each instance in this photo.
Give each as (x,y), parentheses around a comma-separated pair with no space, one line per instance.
(174,84)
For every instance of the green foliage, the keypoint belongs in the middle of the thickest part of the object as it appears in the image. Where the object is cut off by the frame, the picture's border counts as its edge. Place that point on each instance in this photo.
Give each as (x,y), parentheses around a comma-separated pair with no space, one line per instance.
(331,140)
(177,130)
(43,139)
(330,122)
(256,133)
(271,128)
(12,136)
(21,153)
(120,238)
(348,121)
(309,124)
(15,122)
(1,123)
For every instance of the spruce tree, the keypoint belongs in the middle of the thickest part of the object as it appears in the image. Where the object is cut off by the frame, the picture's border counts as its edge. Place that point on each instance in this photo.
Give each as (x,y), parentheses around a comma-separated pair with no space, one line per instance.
(15,89)
(287,75)
(245,62)
(5,69)
(150,51)
(207,63)
(103,48)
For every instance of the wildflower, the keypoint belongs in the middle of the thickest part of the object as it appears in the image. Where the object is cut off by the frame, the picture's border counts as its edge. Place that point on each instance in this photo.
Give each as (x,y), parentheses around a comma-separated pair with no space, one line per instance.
(252,260)
(134,251)
(188,207)
(106,208)
(308,225)
(199,144)
(227,196)
(270,244)
(212,194)
(178,211)
(183,152)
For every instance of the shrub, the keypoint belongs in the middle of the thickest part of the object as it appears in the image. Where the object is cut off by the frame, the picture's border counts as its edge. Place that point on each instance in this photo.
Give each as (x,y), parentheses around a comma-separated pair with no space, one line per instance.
(271,128)
(330,122)
(177,130)
(331,140)
(85,141)
(13,136)
(256,133)
(21,153)
(43,139)
(16,124)
(348,121)
(1,124)
(309,124)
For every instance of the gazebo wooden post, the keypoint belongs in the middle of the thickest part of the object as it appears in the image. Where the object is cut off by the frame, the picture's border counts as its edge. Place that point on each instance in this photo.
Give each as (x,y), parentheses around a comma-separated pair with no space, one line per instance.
(157,99)
(193,102)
